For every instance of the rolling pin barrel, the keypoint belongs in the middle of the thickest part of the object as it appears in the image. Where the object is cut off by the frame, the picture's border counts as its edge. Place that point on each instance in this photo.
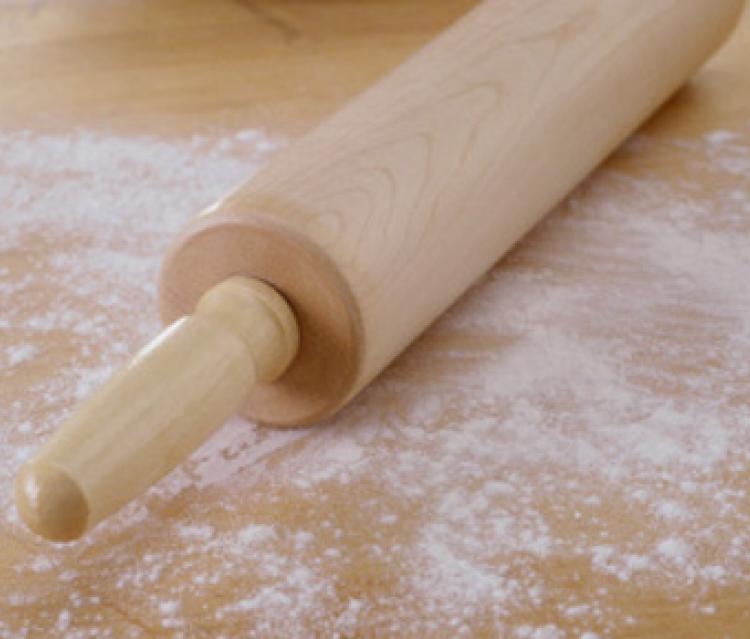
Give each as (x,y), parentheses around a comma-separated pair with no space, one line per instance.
(375,222)
(366,230)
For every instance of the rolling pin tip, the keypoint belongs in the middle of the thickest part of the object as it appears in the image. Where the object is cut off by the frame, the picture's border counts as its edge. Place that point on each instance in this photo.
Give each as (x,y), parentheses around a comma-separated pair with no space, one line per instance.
(50,502)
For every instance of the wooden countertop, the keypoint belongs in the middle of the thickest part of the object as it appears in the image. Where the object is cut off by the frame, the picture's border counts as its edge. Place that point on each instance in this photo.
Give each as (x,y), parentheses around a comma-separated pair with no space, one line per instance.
(564,455)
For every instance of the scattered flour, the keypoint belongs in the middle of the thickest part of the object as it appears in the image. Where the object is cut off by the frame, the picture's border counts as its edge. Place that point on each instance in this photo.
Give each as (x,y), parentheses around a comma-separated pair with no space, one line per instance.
(196,532)
(18,354)
(580,443)
(256,534)
(169,607)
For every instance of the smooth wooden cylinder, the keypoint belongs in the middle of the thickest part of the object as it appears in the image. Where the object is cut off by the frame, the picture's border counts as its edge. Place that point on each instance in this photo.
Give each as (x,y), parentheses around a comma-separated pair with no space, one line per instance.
(376,221)
(152,414)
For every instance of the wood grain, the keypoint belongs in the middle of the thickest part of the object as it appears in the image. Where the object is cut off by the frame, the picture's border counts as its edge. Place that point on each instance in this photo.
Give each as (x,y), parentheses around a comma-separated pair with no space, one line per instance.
(151,68)
(414,189)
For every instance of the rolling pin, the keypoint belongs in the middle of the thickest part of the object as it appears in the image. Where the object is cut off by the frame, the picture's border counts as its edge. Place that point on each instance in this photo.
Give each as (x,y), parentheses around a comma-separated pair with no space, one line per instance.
(287,297)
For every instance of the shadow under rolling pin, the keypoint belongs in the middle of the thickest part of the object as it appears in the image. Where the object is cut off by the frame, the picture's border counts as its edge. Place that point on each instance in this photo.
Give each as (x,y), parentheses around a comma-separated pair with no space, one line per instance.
(289,296)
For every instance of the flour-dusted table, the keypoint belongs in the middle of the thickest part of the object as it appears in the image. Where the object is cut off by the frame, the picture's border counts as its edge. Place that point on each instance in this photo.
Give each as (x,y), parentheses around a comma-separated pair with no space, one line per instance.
(564,454)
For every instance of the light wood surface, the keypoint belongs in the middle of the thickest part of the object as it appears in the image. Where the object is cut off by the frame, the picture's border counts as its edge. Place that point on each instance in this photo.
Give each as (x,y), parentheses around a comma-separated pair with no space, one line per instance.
(149,417)
(138,68)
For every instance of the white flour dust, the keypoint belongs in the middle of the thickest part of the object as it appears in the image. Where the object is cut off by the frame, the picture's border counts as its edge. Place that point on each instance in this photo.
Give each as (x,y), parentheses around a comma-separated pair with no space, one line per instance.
(568,440)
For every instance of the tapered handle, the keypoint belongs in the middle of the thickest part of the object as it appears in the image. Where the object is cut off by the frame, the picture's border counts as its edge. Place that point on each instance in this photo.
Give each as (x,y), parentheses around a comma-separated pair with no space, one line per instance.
(172,395)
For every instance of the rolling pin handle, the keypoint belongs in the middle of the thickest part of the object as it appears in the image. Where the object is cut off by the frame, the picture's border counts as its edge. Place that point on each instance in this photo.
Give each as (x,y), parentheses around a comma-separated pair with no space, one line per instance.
(171,396)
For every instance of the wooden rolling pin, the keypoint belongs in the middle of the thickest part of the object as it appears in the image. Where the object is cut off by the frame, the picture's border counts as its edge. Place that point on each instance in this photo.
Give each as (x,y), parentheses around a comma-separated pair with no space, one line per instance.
(286,298)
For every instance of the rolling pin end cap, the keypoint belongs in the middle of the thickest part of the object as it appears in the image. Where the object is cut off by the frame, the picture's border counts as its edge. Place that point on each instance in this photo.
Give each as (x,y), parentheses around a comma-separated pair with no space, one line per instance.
(50,502)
